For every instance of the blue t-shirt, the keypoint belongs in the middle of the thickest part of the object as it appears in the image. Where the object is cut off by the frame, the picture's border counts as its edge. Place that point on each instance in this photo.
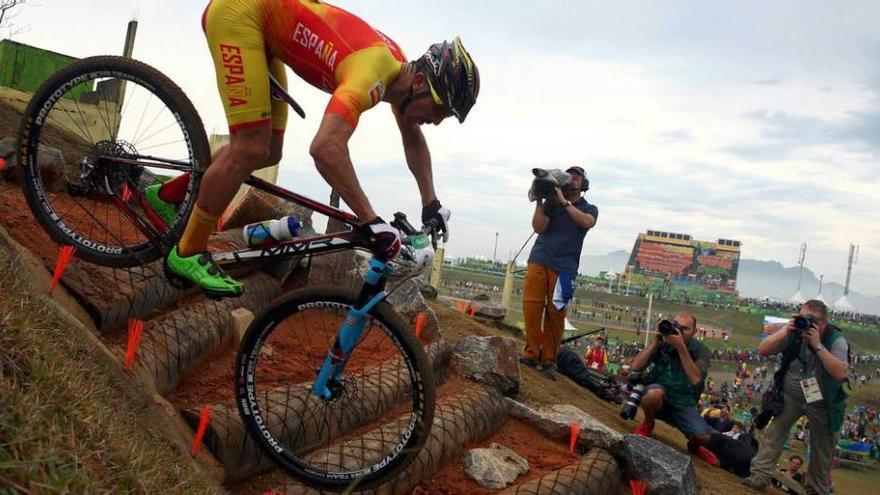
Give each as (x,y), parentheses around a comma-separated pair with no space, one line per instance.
(559,247)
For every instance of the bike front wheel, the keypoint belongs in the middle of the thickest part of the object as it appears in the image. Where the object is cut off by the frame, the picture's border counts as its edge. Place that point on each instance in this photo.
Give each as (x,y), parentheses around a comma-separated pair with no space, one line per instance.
(120,126)
(381,409)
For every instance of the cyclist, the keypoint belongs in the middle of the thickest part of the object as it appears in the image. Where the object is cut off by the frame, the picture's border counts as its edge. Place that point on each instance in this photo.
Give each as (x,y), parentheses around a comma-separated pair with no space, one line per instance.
(341,54)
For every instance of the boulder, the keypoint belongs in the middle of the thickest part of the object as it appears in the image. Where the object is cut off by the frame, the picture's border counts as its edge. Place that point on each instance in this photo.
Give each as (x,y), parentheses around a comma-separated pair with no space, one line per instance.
(490,360)
(491,311)
(427,290)
(494,467)
(344,268)
(53,170)
(667,471)
(408,301)
(555,421)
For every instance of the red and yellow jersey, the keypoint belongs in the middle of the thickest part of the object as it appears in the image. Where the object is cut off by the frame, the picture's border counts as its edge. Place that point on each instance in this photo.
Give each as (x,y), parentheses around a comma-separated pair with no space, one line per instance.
(328,47)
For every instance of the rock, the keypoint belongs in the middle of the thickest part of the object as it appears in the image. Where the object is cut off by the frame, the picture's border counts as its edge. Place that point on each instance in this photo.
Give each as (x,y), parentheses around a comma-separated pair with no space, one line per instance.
(495,467)
(666,470)
(53,170)
(408,301)
(555,421)
(241,320)
(344,268)
(481,297)
(491,311)
(427,290)
(490,360)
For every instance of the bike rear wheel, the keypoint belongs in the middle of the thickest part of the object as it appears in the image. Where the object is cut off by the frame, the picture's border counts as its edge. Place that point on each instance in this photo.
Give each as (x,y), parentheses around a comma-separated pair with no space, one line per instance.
(381,411)
(122,126)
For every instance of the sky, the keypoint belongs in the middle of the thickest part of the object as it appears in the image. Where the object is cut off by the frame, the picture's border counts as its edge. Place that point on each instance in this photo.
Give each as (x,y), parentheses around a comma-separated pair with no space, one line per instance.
(754,121)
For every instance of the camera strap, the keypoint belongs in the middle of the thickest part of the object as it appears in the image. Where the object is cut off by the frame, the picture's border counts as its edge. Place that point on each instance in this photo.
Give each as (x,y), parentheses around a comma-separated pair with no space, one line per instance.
(791,352)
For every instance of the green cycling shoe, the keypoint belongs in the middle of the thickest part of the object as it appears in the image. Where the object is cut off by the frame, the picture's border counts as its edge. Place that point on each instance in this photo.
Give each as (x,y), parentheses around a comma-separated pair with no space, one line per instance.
(166,211)
(200,269)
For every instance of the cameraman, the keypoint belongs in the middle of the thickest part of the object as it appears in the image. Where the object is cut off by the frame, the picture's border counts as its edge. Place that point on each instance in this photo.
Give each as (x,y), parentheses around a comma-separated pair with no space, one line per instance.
(813,386)
(680,365)
(561,223)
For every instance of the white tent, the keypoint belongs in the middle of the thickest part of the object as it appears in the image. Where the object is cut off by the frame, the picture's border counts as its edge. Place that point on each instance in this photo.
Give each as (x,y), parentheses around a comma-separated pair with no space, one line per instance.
(798,298)
(843,305)
(820,298)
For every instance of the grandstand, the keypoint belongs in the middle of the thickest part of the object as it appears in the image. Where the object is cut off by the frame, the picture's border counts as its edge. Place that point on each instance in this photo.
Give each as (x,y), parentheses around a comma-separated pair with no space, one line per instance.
(682,260)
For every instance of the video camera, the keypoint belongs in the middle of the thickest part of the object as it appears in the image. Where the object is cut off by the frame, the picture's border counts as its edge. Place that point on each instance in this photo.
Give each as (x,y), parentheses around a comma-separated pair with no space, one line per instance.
(546,181)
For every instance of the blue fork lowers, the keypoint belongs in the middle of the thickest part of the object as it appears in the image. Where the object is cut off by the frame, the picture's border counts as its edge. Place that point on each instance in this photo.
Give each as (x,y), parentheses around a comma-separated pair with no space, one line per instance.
(352,329)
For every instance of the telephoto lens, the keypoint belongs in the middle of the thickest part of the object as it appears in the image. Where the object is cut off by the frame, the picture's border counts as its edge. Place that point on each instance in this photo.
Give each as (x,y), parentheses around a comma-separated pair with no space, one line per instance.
(631,406)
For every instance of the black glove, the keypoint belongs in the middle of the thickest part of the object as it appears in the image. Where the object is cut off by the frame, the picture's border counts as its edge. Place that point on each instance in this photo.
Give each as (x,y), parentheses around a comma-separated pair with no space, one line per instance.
(380,238)
(440,215)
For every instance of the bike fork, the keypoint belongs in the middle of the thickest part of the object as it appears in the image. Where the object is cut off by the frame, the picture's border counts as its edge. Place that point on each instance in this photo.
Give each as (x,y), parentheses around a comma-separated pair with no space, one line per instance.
(352,328)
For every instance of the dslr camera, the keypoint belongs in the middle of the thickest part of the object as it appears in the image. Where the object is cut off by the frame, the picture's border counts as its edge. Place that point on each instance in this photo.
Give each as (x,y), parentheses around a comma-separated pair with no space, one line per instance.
(635,389)
(666,327)
(803,323)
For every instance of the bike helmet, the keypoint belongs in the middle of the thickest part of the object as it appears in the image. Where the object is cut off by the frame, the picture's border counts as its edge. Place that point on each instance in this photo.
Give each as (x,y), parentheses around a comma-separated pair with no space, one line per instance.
(453,78)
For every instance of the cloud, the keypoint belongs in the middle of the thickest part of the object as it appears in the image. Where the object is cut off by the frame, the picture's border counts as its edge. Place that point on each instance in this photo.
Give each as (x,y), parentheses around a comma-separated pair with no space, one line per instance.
(766,82)
(677,136)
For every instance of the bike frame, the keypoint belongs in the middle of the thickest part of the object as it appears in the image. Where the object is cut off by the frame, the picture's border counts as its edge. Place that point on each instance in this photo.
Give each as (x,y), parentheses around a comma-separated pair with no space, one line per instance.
(372,292)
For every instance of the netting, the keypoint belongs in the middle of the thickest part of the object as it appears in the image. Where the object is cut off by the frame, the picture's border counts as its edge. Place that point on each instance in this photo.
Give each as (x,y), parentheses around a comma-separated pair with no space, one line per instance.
(299,420)
(471,415)
(596,473)
(179,341)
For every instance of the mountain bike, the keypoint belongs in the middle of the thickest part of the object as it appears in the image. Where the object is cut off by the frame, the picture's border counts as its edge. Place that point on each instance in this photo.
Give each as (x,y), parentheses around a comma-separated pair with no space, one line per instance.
(316,368)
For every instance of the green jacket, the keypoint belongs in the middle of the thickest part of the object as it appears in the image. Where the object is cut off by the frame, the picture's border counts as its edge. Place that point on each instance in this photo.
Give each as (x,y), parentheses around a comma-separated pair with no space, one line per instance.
(667,371)
(832,390)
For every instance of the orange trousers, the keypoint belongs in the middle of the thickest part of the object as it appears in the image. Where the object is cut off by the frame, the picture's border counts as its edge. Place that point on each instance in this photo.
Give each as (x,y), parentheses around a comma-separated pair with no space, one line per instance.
(542,342)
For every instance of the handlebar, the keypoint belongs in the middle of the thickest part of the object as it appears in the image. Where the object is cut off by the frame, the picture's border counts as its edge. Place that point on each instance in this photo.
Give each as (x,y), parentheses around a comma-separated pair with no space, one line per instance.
(402,224)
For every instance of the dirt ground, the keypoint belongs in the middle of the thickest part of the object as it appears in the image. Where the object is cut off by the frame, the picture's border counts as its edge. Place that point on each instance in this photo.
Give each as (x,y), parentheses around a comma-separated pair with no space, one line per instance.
(543,456)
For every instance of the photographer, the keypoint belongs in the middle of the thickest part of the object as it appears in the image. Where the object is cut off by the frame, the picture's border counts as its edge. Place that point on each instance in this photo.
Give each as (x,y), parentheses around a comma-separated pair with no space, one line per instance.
(814,367)
(561,220)
(680,365)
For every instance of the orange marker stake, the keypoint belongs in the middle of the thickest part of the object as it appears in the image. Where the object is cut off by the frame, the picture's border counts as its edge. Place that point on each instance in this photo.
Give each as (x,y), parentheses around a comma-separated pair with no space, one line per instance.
(135,328)
(204,419)
(638,487)
(420,324)
(462,306)
(473,310)
(575,431)
(65,254)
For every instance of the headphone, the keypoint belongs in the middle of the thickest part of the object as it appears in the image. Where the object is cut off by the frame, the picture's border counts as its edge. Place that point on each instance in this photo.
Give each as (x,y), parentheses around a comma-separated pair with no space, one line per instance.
(585,186)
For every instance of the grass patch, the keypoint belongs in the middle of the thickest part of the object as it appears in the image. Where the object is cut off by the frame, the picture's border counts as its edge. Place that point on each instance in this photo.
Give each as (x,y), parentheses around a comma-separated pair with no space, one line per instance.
(70,422)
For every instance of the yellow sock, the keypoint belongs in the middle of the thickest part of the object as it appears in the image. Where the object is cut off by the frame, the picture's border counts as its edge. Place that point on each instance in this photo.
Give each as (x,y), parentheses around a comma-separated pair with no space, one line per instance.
(198,230)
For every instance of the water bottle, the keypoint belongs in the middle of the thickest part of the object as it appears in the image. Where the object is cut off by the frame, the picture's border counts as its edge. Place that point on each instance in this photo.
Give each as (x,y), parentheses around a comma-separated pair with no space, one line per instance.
(272,231)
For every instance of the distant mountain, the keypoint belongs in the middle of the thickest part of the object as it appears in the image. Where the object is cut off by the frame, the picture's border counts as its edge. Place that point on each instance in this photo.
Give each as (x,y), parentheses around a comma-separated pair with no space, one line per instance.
(771,279)
(755,279)
(611,262)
